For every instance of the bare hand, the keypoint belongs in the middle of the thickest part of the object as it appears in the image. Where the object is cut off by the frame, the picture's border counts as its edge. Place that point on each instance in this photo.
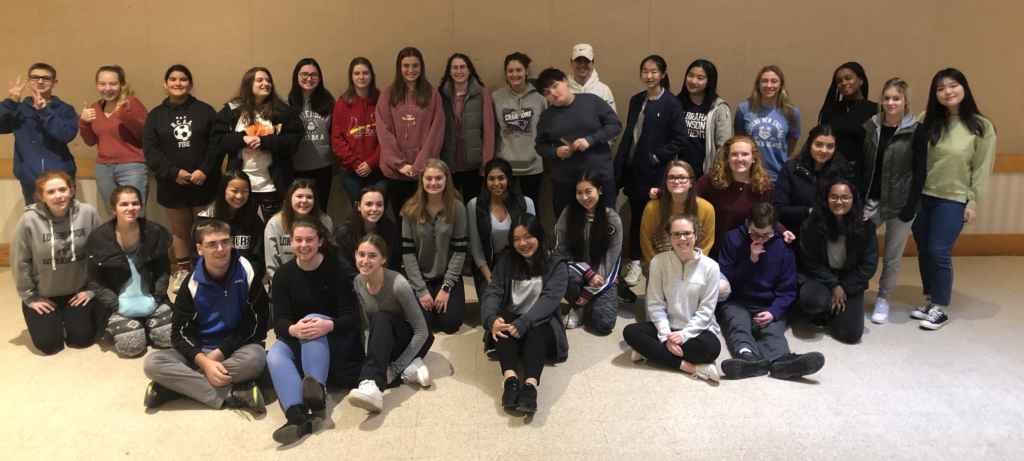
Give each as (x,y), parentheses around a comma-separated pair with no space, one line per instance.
(427,302)
(16,88)
(969,215)
(723,289)
(216,355)
(88,113)
(597,281)
(441,301)
(580,145)
(197,177)
(756,250)
(581,302)
(316,327)
(838,302)
(363,170)
(865,218)
(788,237)
(37,98)
(253,142)
(564,152)
(512,331)
(485,270)
(674,348)
(43,306)
(216,373)
(80,299)
(654,193)
(498,329)
(408,171)
(764,319)
(184,178)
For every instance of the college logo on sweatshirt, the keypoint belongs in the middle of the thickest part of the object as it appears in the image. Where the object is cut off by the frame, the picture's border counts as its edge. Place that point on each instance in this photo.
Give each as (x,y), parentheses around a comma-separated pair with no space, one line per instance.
(313,119)
(518,122)
(182,129)
(357,131)
(62,250)
(696,123)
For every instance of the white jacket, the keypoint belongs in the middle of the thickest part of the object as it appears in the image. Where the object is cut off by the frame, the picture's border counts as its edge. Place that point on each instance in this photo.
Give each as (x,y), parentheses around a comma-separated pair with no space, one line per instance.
(594,87)
(683,297)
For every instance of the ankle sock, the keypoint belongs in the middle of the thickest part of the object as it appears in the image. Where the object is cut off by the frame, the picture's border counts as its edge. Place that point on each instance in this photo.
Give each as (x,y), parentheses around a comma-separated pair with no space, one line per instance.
(745,350)
(184,264)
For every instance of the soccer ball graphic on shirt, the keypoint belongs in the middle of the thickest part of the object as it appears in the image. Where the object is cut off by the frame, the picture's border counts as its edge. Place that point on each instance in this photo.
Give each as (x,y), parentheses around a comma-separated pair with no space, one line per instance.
(182,128)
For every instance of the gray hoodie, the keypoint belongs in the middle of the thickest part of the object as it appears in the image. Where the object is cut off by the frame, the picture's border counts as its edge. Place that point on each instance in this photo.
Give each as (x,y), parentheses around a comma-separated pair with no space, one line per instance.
(717,131)
(44,266)
(517,128)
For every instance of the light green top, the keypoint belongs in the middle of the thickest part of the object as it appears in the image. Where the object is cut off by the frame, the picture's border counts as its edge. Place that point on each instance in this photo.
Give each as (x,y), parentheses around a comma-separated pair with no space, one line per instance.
(960,163)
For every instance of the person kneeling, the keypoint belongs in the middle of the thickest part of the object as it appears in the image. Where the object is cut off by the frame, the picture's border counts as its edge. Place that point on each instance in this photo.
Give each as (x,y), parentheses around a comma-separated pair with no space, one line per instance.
(681,298)
(218,328)
(762,271)
(521,311)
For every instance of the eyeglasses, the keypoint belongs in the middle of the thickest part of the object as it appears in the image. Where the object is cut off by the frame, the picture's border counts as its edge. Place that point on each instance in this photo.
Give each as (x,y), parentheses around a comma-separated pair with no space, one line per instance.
(682,235)
(840,198)
(309,76)
(679,179)
(40,78)
(462,67)
(213,246)
(755,235)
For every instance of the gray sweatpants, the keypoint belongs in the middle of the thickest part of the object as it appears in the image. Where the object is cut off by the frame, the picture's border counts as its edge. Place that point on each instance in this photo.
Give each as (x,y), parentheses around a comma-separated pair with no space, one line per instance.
(171,370)
(896,234)
(604,308)
(740,331)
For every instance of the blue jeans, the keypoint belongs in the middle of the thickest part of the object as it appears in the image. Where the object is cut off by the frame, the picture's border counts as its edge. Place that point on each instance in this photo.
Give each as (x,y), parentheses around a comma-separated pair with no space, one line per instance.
(563,193)
(936,229)
(290,359)
(110,176)
(354,184)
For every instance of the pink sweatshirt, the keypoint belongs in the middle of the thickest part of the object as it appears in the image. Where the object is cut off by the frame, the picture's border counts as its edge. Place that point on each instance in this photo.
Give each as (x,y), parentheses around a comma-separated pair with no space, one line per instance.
(119,136)
(408,134)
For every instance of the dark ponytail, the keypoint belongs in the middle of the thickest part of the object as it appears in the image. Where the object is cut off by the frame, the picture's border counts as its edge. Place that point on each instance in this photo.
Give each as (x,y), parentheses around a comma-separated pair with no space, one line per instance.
(662,67)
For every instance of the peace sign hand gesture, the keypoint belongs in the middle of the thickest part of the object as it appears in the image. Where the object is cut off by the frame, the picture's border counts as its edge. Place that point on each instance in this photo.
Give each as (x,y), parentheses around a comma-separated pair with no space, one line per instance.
(16,88)
(37,98)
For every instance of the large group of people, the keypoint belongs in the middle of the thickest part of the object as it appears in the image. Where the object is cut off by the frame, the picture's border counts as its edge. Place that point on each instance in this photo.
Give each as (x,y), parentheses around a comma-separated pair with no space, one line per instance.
(729,229)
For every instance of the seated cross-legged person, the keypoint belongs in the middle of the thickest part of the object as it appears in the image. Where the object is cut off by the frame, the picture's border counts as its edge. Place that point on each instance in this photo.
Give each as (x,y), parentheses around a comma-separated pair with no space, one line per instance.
(761,268)
(681,299)
(218,328)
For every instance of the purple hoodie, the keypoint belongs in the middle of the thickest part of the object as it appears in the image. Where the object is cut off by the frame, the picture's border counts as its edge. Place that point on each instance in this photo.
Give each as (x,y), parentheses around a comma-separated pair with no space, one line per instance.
(770,281)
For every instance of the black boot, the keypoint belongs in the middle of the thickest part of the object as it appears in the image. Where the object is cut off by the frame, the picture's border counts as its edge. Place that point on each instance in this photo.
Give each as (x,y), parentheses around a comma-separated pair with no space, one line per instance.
(510,399)
(625,294)
(246,395)
(300,423)
(315,396)
(746,365)
(528,399)
(795,365)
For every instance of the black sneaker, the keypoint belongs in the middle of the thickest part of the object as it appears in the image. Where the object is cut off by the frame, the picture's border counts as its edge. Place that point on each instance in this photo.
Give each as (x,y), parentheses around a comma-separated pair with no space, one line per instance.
(921,312)
(820,320)
(528,399)
(935,319)
(510,398)
(795,365)
(315,396)
(157,395)
(747,365)
(300,423)
(246,395)
(625,294)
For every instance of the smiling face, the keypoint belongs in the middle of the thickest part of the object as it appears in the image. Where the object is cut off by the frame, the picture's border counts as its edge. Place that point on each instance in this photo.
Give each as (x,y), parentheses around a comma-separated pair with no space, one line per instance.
(696,81)
(950,93)
(497,182)
(371,207)
(433,181)
(741,157)
(769,85)
(678,180)
(651,75)
(57,196)
(558,94)
(302,201)
(683,236)
(261,86)
(369,259)
(361,76)
(109,86)
(589,195)
(524,242)
(822,149)
(237,193)
(459,71)
(411,69)
(893,102)
(516,73)
(848,84)
(582,68)
(216,250)
(127,207)
(42,80)
(305,243)
(178,85)
(309,77)
(840,200)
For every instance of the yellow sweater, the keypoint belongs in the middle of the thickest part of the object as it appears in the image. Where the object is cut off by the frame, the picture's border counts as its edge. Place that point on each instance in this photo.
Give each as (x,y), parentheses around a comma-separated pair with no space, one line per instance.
(654,240)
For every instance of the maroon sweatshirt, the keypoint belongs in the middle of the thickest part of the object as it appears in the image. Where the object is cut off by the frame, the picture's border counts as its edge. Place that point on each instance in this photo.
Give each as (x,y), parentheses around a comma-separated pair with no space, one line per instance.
(408,134)
(731,205)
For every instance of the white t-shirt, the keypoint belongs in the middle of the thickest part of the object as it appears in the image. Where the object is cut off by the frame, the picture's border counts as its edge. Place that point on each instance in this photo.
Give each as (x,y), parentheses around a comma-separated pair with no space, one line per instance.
(256,162)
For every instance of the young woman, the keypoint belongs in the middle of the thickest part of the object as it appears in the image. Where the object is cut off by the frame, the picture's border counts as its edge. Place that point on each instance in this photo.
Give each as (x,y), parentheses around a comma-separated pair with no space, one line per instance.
(521,311)
(395,334)
(354,136)
(839,255)
(367,218)
(114,124)
(517,106)
(708,120)
(655,134)
(469,125)
(315,104)
(300,202)
(736,181)
(49,273)
(181,148)
(681,299)
(846,108)
(593,250)
(770,118)
(234,207)
(894,168)
(434,247)
(315,320)
(259,134)
(128,271)
(411,126)
(961,153)
(803,175)
(490,217)
(676,195)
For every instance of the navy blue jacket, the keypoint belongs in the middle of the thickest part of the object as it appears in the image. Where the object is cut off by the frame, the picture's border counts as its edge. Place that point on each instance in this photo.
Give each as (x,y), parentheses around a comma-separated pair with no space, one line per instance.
(798,184)
(41,137)
(771,281)
(663,137)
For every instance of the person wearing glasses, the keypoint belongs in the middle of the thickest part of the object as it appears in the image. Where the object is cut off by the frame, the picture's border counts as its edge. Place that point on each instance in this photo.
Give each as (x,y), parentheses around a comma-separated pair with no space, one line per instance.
(233,206)
(469,125)
(838,255)
(681,297)
(761,268)
(42,125)
(315,105)
(300,201)
(676,195)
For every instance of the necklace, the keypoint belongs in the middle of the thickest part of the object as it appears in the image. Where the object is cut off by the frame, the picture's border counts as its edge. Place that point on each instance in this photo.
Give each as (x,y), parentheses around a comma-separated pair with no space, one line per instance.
(850,106)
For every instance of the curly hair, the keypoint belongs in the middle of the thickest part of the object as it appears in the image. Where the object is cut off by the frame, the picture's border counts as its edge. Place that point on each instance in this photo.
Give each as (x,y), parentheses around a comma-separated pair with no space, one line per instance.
(721,173)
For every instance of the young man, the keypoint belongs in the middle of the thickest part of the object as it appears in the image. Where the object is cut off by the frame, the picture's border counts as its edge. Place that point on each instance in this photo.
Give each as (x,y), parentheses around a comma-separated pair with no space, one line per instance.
(219,326)
(584,77)
(42,124)
(762,271)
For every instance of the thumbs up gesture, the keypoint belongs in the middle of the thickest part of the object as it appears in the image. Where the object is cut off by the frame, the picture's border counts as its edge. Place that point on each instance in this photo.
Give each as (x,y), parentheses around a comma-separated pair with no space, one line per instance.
(88,113)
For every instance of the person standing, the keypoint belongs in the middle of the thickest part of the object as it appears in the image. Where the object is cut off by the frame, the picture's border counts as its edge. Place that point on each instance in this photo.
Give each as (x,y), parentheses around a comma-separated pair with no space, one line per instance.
(354,133)
(584,76)
(518,106)
(770,119)
(845,109)
(708,120)
(315,104)
(469,125)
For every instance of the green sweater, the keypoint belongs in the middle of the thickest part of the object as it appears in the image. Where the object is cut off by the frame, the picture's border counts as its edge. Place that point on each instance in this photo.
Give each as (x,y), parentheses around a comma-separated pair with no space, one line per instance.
(960,163)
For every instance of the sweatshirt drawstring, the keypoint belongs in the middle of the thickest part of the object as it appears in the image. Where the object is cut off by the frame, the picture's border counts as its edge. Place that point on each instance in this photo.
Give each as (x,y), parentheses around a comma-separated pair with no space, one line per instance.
(74,257)
(53,238)
(53,249)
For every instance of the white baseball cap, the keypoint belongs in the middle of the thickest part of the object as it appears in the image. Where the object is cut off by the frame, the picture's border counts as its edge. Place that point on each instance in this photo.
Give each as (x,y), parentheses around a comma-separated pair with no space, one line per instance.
(583,50)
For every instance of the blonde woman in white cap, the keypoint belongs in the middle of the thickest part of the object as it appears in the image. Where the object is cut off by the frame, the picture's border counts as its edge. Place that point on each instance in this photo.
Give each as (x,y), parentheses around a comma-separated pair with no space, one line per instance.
(584,77)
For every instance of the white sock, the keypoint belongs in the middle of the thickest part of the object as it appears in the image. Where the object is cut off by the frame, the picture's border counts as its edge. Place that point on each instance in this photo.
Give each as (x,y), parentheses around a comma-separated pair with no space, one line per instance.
(936,306)
(745,350)
(635,262)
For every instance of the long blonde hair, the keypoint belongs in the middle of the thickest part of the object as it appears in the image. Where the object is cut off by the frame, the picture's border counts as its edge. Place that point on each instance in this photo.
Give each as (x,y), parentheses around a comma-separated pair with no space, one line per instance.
(782,101)
(416,207)
(721,174)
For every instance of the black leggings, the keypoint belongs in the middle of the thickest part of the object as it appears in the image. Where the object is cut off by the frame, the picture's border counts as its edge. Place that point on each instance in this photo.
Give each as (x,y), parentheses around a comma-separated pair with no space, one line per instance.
(530,185)
(643,337)
(399,192)
(535,346)
(451,319)
(814,299)
(75,324)
(468,183)
(389,336)
(636,216)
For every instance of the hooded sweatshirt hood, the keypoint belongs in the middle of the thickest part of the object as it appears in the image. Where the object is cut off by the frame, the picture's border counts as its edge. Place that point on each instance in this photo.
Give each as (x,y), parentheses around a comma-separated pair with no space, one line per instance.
(48,256)
(593,86)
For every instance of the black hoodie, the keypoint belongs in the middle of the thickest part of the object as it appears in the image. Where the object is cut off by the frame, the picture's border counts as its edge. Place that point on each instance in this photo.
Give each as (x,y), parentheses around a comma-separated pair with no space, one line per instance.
(181,137)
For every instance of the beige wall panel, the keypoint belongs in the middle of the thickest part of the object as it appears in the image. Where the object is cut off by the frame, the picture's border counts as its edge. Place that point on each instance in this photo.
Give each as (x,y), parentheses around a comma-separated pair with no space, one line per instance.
(489,30)
(382,29)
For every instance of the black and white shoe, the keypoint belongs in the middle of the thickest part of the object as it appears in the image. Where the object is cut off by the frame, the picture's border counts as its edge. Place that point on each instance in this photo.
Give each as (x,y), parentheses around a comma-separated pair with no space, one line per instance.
(157,395)
(921,312)
(795,365)
(820,320)
(625,294)
(746,365)
(936,319)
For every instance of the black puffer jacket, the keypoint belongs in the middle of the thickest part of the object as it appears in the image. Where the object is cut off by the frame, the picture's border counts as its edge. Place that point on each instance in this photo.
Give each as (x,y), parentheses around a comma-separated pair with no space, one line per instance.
(861,259)
(797,185)
(108,270)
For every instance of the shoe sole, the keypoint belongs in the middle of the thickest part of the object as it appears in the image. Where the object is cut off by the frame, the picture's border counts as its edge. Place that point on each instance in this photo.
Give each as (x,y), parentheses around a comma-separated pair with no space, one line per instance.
(526,409)
(806,364)
(313,395)
(290,434)
(366,403)
(918,315)
(742,369)
(932,326)
(631,284)
(513,404)
(880,321)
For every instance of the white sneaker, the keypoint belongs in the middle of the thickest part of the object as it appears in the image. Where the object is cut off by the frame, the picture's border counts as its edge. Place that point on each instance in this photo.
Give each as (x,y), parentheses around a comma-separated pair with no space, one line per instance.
(634,273)
(367,397)
(881,314)
(177,279)
(636,356)
(707,372)
(573,319)
(417,373)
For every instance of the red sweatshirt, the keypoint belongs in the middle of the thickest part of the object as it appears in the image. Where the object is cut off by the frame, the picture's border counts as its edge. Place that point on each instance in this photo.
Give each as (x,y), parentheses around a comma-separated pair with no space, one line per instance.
(408,134)
(354,133)
(119,136)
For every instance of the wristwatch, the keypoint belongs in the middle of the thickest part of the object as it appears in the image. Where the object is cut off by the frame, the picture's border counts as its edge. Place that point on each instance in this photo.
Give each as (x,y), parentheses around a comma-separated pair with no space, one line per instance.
(446,288)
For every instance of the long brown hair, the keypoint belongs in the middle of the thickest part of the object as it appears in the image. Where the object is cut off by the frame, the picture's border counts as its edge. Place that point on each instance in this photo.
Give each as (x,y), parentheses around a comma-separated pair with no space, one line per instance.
(416,207)
(665,197)
(782,101)
(288,213)
(356,225)
(424,92)
(350,93)
(721,174)
(271,109)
